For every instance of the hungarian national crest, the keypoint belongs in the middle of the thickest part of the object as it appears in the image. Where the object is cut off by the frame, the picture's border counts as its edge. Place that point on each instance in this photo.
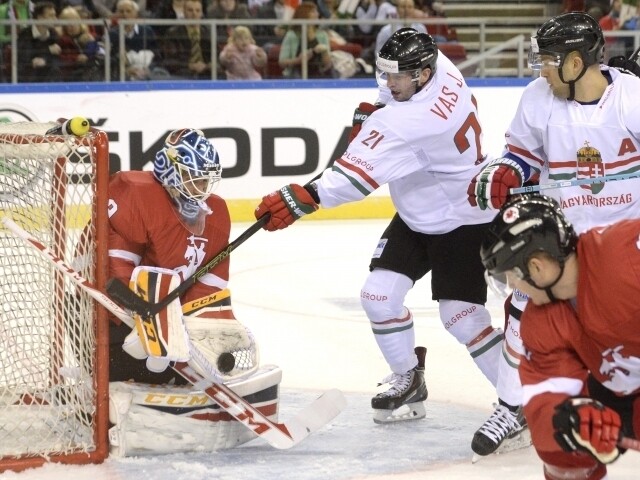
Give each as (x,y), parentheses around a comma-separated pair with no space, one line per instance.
(590,166)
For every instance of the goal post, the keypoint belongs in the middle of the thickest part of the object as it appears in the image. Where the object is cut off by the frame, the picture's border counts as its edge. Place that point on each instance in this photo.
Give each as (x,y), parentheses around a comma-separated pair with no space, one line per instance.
(53,337)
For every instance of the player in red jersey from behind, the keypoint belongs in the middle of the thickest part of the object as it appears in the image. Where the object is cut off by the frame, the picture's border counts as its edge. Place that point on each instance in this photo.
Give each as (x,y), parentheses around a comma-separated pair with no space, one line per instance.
(581,368)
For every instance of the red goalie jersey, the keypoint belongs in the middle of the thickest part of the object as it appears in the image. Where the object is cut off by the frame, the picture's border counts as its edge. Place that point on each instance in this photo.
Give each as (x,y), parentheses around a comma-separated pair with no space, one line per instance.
(144,231)
(598,334)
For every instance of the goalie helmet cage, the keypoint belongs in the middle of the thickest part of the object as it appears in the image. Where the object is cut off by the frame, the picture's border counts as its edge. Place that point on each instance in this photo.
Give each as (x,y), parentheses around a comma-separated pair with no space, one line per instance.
(53,336)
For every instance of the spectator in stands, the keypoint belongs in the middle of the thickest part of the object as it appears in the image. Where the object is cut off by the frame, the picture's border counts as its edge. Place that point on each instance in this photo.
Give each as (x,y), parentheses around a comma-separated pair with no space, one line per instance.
(317,55)
(611,22)
(140,49)
(373,10)
(80,53)
(290,8)
(632,23)
(168,10)
(105,8)
(86,13)
(186,50)
(366,10)
(226,10)
(627,10)
(573,6)
(241,58)
(405,10)
(268,35)
(39,52)
(11,10)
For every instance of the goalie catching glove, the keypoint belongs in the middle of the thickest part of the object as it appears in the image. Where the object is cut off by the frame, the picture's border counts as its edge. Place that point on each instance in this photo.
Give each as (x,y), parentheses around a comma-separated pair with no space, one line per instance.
(287,205)
(203,331)
(586,425)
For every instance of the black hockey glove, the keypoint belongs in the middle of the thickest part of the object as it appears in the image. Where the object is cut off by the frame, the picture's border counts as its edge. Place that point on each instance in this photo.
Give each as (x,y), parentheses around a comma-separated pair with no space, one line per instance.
(627,65)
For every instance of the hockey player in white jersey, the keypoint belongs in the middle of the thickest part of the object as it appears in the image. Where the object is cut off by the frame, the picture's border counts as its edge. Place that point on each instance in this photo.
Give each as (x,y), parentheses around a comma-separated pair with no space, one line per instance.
(578,120)
(425,144)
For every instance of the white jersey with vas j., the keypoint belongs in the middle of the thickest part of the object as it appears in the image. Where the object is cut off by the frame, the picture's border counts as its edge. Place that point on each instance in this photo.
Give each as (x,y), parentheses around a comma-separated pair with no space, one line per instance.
(426,149)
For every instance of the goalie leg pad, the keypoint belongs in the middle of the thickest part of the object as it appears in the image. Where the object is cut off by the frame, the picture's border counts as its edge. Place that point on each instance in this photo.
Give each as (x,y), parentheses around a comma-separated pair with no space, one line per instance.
(162,419)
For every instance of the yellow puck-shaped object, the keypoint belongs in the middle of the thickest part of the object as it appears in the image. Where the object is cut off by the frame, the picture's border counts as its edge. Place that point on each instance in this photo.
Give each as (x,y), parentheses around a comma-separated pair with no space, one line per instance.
(79,126)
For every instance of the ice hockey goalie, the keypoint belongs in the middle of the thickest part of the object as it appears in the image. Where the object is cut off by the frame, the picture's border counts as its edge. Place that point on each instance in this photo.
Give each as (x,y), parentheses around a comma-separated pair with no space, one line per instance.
(169,418)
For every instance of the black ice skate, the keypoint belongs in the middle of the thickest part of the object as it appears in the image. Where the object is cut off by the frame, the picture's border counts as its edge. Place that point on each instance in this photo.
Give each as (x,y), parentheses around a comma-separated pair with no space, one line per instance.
(404,400)
(503,432)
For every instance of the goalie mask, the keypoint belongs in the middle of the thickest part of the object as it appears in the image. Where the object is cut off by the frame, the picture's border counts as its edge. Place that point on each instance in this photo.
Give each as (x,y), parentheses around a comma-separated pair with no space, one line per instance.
(407,52)
(188,166)
(524,226)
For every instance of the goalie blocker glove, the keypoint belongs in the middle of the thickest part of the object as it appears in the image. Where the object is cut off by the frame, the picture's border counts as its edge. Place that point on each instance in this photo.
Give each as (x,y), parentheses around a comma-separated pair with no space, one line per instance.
(586,425)
(360,114)
(490,188)
(287,205)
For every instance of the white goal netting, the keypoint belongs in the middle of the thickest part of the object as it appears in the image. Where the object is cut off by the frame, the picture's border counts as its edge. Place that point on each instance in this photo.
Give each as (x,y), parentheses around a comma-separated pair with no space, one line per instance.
(49,393)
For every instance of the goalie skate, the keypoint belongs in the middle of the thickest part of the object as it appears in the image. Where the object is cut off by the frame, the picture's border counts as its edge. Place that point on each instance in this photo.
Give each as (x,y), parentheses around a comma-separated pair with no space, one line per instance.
(405,399)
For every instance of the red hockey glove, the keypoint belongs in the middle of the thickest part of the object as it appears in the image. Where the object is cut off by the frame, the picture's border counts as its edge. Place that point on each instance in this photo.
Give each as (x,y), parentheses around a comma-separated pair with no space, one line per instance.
(286,206)
(586,425)
(490,188)
(359,116)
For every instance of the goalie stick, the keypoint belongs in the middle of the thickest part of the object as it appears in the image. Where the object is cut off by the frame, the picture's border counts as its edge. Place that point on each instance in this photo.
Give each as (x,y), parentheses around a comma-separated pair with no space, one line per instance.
(123,294)
(279,435)
(572,183)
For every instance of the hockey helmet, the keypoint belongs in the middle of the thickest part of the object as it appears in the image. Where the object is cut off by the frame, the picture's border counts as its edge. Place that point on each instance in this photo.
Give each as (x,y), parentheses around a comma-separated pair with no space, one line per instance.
(189,164)
(526,224)
(563,34)
(407,50)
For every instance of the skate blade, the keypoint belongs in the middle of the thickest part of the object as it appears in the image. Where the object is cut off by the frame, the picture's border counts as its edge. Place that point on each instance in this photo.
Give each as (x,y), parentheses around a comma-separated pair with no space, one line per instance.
(517,442)
(410,411)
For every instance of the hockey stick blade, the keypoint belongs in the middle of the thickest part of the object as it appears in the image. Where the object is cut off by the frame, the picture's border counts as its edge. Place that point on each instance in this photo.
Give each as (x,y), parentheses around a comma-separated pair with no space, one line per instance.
(573,183)
(130,300)
(279,435)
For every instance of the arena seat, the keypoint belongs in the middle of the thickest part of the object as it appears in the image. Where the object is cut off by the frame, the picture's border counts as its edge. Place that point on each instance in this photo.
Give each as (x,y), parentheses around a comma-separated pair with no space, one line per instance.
(454,51)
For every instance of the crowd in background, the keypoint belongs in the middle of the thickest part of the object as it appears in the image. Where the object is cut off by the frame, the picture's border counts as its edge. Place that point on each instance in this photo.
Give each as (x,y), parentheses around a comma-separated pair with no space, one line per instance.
(50,53)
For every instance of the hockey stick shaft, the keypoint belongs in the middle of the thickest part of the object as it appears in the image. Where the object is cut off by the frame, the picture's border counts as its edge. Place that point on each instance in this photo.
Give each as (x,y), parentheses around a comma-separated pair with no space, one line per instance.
(123,294)
(573,183)
(279,435)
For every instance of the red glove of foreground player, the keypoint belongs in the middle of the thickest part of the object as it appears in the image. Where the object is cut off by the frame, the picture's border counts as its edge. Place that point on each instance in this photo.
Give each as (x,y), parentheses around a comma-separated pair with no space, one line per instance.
(359,116)
(490,188)
(286,206)
(586,425)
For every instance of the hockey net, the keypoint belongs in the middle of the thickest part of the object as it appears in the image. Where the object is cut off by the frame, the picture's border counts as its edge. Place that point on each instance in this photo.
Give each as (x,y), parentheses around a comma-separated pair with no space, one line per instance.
(53,337)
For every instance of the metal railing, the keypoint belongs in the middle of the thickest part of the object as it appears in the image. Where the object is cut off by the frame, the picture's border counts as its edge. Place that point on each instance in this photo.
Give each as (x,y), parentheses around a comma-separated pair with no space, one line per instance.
(519,43)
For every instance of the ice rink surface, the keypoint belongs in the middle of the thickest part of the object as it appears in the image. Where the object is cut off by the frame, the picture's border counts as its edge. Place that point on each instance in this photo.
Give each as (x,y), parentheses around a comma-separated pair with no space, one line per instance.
(297,290)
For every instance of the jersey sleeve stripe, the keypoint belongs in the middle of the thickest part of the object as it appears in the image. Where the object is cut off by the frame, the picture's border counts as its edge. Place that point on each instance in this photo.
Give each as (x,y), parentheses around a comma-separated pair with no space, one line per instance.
(521,152)
(374,185)
(358,185)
